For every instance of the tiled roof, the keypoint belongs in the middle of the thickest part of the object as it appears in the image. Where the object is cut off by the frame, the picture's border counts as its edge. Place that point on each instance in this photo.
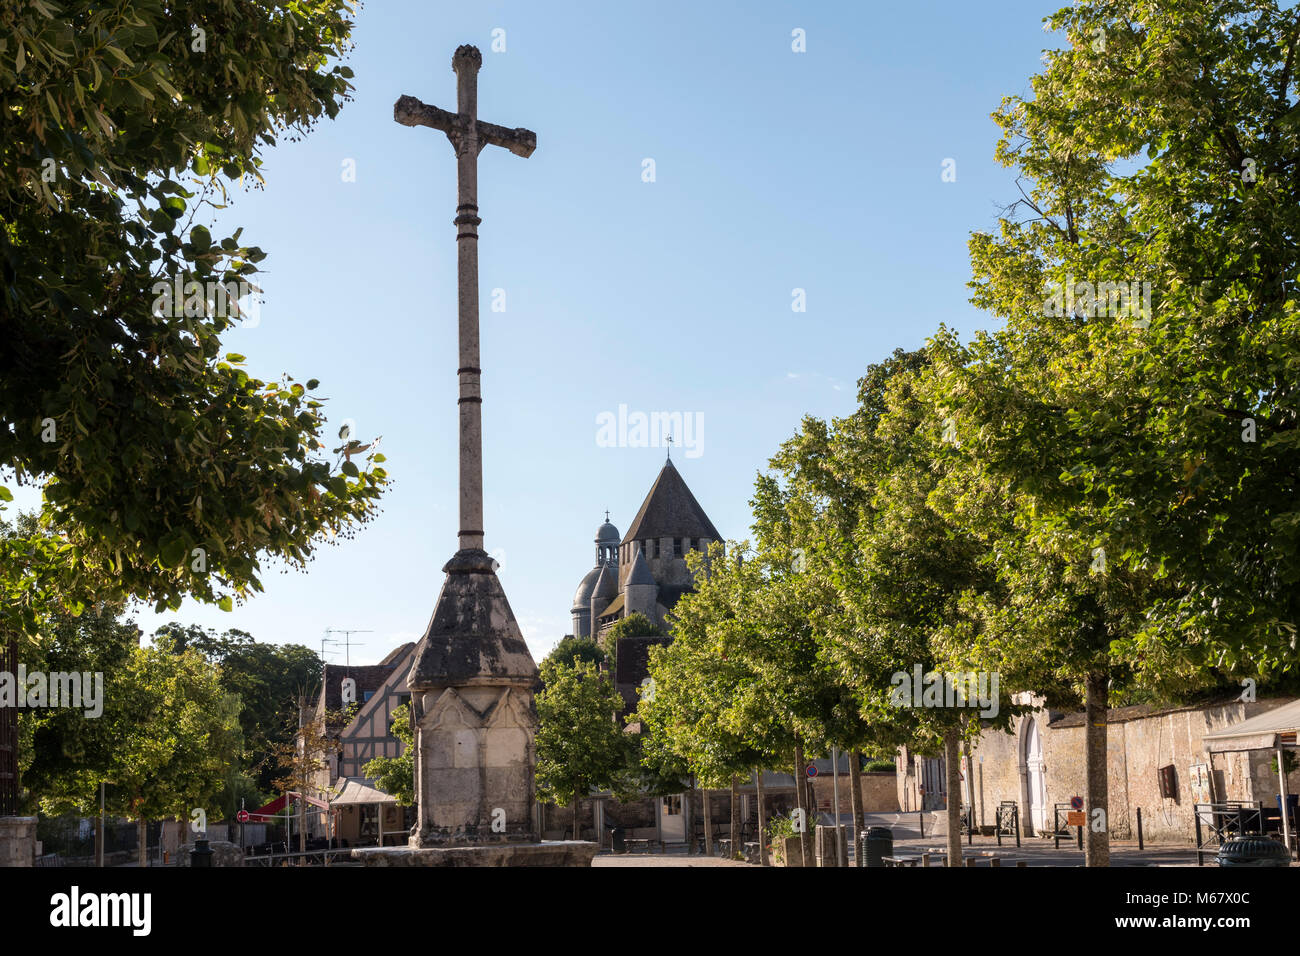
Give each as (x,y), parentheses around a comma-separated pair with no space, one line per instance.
(1119,715)
(670,510)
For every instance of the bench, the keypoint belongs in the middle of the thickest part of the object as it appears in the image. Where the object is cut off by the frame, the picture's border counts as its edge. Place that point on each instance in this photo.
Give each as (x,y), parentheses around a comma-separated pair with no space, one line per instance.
(903,860)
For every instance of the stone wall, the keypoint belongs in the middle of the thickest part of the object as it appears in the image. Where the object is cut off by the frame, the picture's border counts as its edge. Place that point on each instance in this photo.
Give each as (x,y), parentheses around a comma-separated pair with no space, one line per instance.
(17,841)
(879,791)
(1138,745)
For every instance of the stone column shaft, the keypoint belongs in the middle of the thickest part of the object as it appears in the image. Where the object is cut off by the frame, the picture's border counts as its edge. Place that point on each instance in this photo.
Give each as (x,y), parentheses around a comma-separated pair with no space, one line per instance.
(467,221)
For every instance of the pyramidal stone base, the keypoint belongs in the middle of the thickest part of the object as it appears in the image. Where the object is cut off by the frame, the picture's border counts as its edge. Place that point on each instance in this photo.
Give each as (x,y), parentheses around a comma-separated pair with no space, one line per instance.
(473,718)
(557,853)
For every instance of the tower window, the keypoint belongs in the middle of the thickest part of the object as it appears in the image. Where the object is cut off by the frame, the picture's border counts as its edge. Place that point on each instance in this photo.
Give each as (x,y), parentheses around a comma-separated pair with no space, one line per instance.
(677,547)
(654,547)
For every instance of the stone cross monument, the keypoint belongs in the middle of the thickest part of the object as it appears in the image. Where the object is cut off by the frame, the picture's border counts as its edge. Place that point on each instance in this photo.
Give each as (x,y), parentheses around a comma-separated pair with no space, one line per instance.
(472,678)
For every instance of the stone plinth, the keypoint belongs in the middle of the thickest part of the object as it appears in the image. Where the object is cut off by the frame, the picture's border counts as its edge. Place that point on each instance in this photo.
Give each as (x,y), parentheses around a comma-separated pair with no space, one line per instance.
(17,841)
(560,853)
(473,715)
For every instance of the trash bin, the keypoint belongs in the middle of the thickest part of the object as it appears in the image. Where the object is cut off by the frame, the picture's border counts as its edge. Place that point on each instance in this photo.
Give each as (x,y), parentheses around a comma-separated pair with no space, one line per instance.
(877,843)
(618,839)
(201,855)
(1253,851)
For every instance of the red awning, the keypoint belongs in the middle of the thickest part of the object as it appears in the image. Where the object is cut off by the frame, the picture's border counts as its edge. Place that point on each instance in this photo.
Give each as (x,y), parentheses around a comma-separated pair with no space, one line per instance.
(276,806)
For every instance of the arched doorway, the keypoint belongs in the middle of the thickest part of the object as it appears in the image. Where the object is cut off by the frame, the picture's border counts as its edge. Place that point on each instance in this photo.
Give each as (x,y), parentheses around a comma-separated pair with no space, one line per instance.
(1031,770)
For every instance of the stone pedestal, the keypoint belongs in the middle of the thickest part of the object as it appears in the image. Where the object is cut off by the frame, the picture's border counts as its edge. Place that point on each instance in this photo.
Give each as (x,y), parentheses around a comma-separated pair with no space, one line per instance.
(473,715)
(17,841)
(559,853)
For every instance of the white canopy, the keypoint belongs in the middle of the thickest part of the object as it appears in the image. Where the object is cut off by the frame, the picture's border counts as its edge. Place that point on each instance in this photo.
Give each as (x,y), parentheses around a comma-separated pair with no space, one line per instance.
(1267,731)
(1272,730)
(360,790)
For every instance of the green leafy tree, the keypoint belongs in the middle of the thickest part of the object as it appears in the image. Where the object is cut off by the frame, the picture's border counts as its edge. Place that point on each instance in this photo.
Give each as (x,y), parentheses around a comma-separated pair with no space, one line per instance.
(167,470)
(396,775)
(572,649)
(580,745)
(176,733)
(1140,400)
(855,496)
(269,679)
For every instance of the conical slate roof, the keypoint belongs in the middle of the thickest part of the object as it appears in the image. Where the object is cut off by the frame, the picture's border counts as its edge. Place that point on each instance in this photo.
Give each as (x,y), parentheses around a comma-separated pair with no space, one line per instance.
(472,637)
(639,573)
(670,510)
(607,584)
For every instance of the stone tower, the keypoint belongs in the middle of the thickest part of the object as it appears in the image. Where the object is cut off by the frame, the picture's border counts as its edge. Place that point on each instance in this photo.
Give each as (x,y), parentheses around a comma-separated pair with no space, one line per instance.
(640,592)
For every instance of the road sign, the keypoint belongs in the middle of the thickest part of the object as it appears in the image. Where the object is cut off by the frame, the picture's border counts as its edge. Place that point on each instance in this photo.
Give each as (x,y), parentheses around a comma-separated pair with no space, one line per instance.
(1076,803)
(242,816)
(811,770)
(1075,818)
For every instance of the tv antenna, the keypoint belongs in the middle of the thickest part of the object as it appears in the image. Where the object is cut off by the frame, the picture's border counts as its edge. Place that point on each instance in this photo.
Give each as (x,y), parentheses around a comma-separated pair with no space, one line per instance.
(347,644)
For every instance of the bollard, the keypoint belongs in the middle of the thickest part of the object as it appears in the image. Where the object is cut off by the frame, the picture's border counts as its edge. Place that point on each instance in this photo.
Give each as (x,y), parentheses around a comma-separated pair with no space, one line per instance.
(1139,816)
(201,855)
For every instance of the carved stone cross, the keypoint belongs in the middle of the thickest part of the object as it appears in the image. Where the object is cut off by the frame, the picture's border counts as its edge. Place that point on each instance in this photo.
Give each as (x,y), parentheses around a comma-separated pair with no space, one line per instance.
(468,136)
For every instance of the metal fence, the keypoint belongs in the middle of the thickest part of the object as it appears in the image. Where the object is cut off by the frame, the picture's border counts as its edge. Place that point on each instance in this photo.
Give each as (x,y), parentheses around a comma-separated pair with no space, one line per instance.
(73,838)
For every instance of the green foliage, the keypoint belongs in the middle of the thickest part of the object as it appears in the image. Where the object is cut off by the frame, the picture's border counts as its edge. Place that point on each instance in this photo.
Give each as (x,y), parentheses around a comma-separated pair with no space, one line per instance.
(167,470)
(167,738)
(572,649)
(634,625)
(396,775)
(1131,430)
(580,745)
(268,678)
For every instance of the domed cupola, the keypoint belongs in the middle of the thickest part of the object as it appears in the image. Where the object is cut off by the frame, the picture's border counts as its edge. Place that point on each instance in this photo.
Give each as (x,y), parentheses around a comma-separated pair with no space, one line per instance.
(582,597)
(607,541)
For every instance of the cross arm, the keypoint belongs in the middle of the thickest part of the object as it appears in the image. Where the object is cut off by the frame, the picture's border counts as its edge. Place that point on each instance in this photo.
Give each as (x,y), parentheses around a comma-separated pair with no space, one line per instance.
(411,112)
(519,141)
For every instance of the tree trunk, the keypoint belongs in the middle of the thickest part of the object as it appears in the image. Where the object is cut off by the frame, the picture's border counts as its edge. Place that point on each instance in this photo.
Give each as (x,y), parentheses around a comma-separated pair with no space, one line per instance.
(1096,838)
(762,819)
(952,773)
(302,821)
(577,806)
(708,823)
(801,794)
(142,837)
(855,798)
(737,850)
(689,811)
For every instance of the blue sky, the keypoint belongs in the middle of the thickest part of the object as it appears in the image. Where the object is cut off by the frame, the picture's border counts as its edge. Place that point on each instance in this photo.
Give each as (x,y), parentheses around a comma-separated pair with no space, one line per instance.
(774,171)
